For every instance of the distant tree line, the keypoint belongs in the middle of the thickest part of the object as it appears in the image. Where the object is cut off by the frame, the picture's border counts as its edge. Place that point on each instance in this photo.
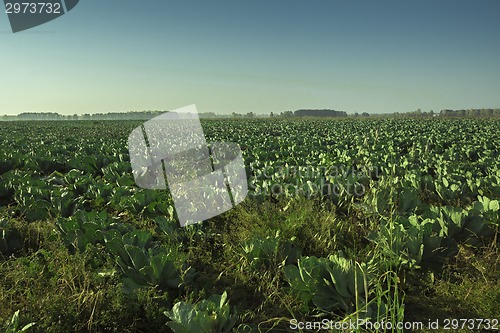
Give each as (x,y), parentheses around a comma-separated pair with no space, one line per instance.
(133,115)
(319,113)
(470,113)
(130,115)
(364,114)
(240,115)
(146,115)
(418,113)
(312,113)
(451,113)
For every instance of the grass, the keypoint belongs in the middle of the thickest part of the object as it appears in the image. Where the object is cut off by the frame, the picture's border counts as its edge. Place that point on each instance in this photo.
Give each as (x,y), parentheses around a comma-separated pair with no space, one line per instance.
(468,288)
(64,292)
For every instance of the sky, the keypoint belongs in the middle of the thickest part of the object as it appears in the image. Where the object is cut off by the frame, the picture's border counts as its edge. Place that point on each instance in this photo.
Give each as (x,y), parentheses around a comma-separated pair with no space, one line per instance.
(256,56)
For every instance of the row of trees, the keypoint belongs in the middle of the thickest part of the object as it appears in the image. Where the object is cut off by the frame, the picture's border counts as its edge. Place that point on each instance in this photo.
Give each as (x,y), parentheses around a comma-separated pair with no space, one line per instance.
(319,113)
(146,115)
(418,113)
(131,115)
(471,113)
(315,113)
(451,113)
(139,115)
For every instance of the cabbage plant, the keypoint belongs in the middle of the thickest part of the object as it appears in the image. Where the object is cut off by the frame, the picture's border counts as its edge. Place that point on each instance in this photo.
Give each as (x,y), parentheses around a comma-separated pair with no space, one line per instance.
(212,315)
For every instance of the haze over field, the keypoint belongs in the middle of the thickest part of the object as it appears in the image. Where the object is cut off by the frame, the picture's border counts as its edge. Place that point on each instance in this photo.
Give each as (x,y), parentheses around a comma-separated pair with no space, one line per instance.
(255,56)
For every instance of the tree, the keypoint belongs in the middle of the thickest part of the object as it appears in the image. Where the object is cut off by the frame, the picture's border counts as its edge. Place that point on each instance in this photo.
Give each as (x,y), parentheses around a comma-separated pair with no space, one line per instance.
(319,113)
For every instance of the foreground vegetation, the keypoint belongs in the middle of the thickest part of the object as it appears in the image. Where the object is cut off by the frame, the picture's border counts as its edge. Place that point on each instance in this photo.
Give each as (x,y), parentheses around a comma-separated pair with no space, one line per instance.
(387,220)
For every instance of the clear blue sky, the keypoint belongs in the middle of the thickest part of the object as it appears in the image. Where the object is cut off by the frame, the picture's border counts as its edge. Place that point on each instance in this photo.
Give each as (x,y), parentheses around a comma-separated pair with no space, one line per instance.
(258,55)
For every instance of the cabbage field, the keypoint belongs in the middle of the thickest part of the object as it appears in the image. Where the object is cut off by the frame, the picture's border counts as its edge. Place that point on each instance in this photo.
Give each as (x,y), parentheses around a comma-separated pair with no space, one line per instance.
(368,220)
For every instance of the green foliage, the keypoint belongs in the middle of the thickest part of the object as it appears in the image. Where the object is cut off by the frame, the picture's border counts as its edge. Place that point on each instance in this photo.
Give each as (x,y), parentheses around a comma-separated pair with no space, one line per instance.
(412,204)
(212,315)
(10,239)
(411,243)
(332,283)
(12,325)
(147,269)
(89,228)
(488,209)
(263,253)
(144,265)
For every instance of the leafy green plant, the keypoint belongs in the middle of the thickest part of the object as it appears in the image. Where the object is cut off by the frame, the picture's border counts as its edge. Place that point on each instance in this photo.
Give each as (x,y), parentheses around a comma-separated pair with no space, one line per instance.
(146,266)
(466,226)
(89,228)
(213,315)
(332,283)
(411,243)
(263,252)
(116,241)
(146,269)
(447,190)
(33,197)
(489,209)
(12,325)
